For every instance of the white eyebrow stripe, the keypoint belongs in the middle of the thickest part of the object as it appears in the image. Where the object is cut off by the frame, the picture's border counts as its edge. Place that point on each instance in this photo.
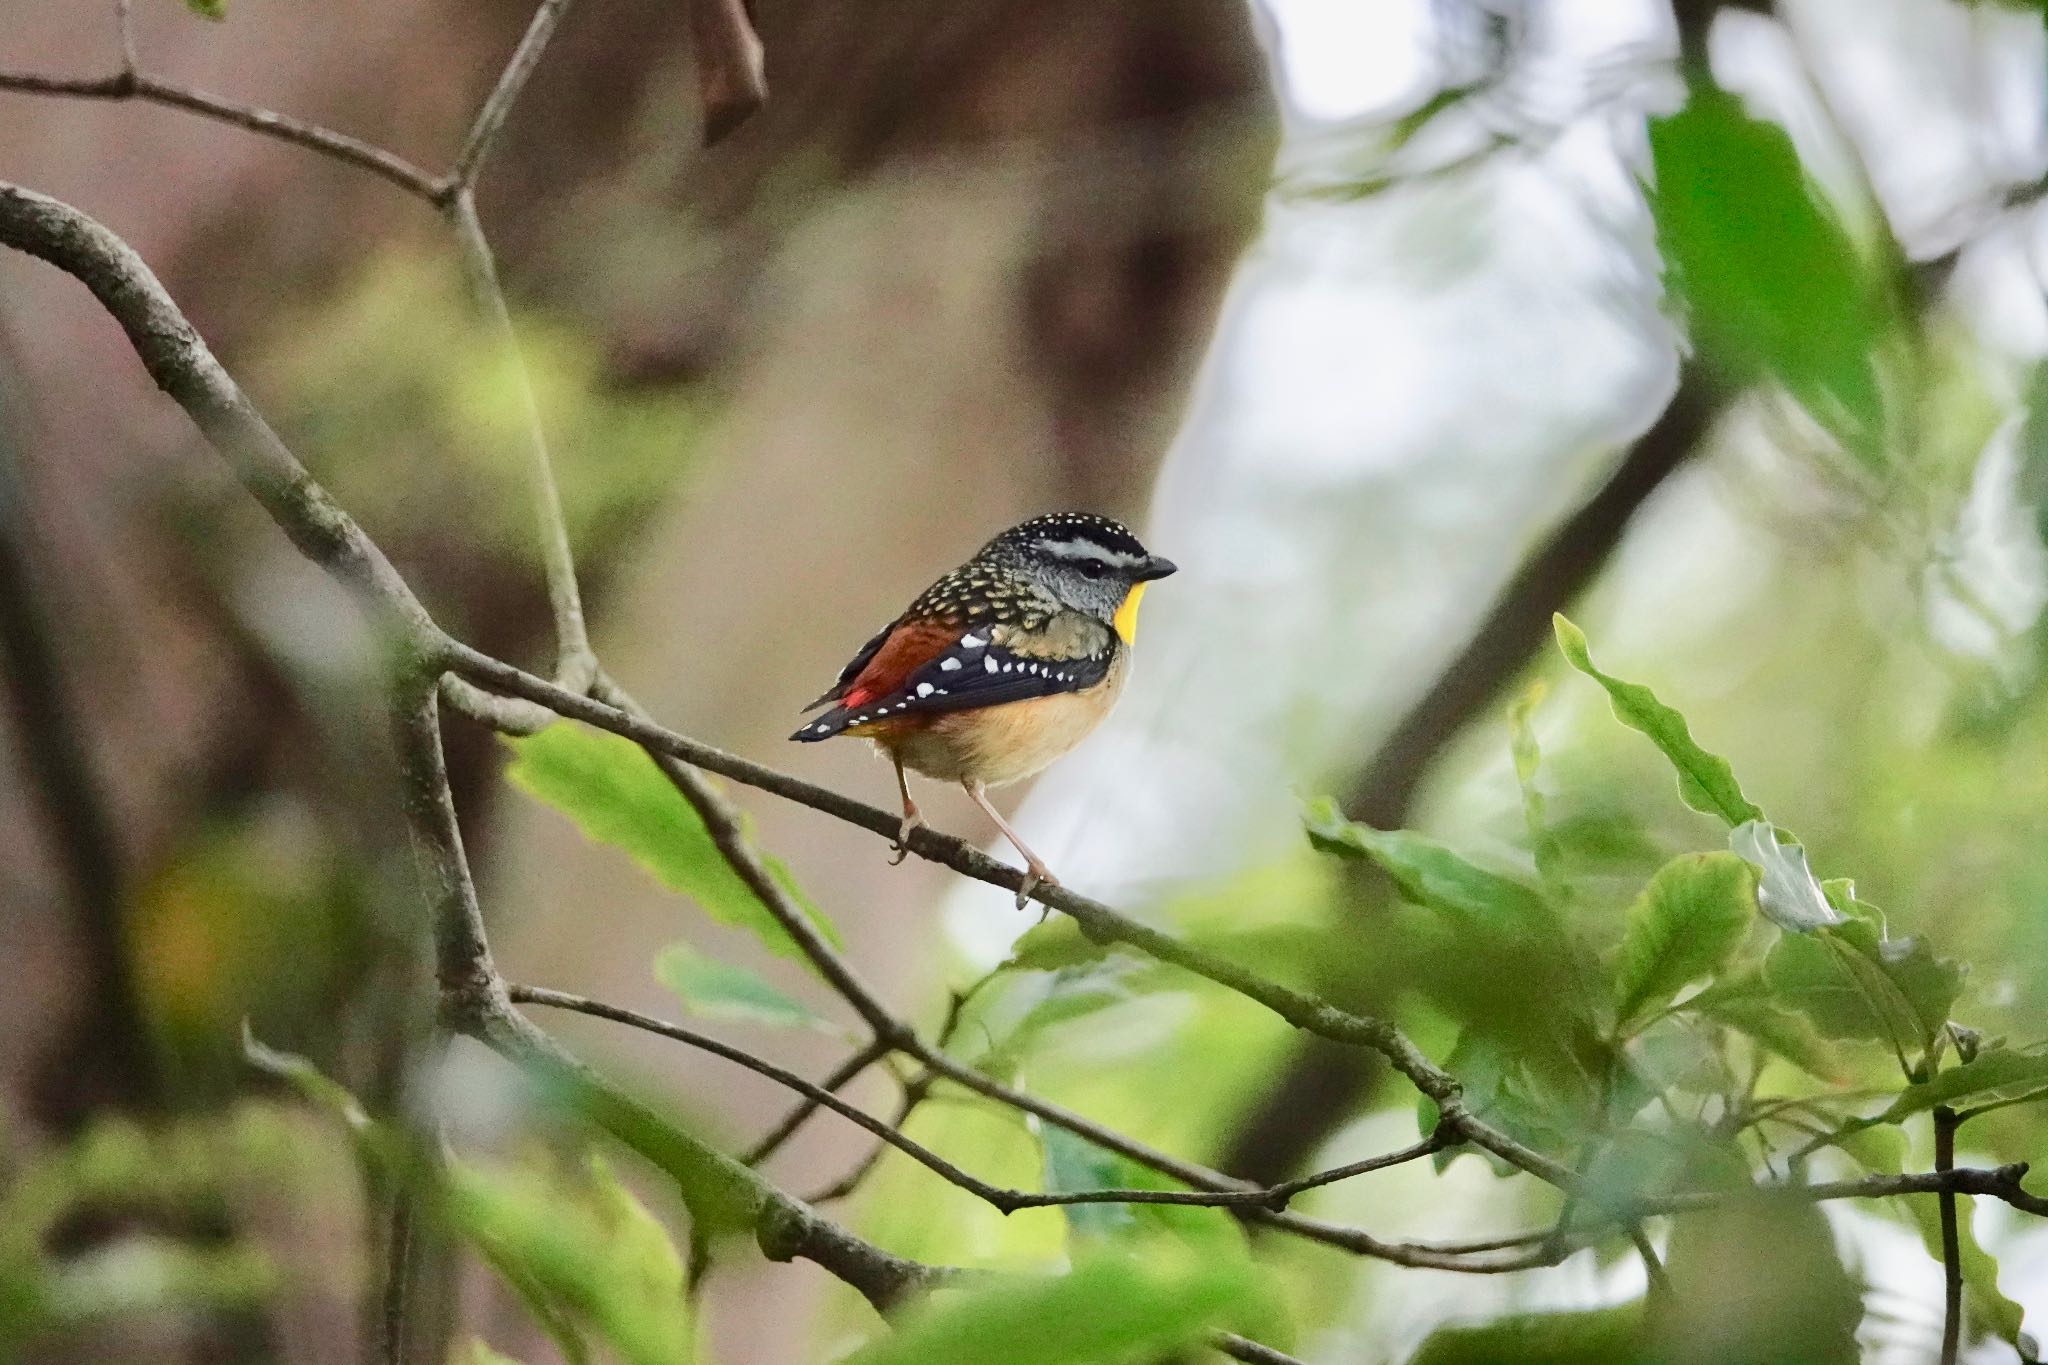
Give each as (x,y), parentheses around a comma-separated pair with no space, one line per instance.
(1088,549)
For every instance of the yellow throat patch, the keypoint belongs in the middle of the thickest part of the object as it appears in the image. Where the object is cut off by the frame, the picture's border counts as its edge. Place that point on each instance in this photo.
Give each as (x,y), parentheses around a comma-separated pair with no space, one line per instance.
(1126,618)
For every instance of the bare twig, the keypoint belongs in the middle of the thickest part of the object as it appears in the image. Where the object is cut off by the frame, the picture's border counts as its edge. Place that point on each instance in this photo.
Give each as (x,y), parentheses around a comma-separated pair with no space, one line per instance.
(1951,1240)
(728,835)
(1097,920)
(575,664)
(469,162)
(183,367)
(397,1272)
(914,1095)
(136,85)
(840,1077)
(1245,1349)
(124,29)
(1004,1199)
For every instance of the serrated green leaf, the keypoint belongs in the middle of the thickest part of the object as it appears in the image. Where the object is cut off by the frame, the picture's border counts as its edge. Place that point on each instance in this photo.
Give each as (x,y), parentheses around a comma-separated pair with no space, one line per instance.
(614,793)
(1705,781)
(1107,1310)
(1788,893)
(712,989)
(1772,281)
(1428,873)
(1685,925)
(1997,1074)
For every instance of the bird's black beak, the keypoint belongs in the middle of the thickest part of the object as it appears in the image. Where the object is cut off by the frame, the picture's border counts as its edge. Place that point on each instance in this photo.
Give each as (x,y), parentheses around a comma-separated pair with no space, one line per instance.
(1155,567)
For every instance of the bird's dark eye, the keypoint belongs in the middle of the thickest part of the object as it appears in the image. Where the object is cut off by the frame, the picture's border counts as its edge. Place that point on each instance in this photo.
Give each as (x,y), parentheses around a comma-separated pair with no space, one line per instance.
(1093,568)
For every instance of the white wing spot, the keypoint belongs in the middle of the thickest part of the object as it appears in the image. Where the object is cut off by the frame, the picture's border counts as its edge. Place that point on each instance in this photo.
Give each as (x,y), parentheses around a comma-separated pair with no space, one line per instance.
(988,663)
(948,665)
(972,642)
(925,689)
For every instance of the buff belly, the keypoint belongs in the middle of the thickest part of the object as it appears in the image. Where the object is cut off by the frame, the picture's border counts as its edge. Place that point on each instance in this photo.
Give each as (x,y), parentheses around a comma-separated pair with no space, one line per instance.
(998,744)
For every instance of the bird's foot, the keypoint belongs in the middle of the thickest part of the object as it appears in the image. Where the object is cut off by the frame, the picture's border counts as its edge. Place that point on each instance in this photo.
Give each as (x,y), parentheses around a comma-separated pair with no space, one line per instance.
(913,820)
(1036,874)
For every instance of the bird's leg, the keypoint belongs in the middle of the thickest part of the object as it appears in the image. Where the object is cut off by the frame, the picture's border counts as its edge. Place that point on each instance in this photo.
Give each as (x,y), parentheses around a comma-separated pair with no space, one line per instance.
(913,818)
(1036,873)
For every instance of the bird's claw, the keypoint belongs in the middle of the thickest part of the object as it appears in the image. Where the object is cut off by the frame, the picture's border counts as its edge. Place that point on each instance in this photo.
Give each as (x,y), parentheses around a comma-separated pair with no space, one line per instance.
(911,823)
(1036,874)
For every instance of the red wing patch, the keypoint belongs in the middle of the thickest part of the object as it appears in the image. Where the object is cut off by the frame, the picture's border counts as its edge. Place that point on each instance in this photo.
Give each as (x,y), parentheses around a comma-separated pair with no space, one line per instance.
(909,647)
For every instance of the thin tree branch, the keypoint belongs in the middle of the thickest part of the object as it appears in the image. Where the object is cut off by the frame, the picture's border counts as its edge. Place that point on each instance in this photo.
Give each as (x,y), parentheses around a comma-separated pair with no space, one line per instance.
(1245,1349)
(474,1001)
(137,85)
(729,836)
(1005,1199)
(183,367)
(840,1077)
(397,1273)
(1951,1240)
(914,1095)
(124,30)
(1098,921)
(575,663)
(490,120)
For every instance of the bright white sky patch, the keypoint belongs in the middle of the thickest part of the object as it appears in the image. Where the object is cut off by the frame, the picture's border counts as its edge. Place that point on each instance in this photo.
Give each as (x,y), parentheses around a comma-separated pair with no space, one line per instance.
(1340,59)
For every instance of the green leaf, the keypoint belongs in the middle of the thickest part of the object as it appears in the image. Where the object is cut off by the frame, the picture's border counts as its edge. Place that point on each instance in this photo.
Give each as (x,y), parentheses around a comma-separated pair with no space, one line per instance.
(1788,895)
(1427,873)
(215,10)
(711,989)
(1757,1279)
(617,796)
(591,1255)
(1998,1074)
(1854,983)
(1986,1310)
(1052,944)
(1789,1035)
(1880,1148)
(1109,1309)
(1685,925)
(581,1254)
(1772,281)
(1595,1336)
(1544,845)
(1705,781)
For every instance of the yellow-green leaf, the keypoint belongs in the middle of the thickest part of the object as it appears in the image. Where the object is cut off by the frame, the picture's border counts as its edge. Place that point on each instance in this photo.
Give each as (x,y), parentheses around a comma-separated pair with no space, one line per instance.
(712,989)
(1705,781)
(1107,1310)
(1687,922)
(613,792)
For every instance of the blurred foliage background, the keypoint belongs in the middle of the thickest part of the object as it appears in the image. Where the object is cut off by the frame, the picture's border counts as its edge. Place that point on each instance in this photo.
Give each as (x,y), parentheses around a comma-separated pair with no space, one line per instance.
(1400,326)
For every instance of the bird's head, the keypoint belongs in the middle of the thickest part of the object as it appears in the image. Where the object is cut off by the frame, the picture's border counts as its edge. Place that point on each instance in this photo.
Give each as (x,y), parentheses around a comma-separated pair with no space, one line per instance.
(1084,562)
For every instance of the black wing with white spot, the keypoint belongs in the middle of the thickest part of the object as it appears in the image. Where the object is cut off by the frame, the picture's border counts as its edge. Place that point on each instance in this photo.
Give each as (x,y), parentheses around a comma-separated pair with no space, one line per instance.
(974,672)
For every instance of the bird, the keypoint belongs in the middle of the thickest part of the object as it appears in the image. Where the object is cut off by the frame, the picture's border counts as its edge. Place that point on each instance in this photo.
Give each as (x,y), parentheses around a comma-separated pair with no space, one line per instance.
(999,667)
